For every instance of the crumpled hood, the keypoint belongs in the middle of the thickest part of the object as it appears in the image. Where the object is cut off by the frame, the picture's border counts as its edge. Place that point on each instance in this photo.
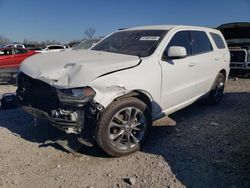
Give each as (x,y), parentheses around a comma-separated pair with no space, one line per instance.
(74,68)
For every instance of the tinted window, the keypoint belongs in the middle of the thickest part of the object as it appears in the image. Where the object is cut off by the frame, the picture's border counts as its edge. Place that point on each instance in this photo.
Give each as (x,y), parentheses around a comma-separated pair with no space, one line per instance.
(218,40)
(29,46)
(135,42)
(200,42)
(180,39)
(20,51)
(56,47)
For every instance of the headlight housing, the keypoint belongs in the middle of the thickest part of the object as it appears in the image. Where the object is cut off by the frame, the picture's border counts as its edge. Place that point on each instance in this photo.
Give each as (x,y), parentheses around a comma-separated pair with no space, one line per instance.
(76,95)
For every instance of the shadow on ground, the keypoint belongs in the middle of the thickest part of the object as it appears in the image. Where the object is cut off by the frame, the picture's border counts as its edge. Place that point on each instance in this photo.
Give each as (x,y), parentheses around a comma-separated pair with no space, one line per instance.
(209,147)
(40,131)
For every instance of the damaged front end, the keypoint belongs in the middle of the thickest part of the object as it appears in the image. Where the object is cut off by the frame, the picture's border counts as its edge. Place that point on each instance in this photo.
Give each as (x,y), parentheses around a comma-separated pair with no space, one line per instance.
(66,109)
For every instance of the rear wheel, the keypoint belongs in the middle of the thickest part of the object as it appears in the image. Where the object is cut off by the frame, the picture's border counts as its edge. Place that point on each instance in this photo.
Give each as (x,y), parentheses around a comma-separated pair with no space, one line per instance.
(123,126)
(217,91)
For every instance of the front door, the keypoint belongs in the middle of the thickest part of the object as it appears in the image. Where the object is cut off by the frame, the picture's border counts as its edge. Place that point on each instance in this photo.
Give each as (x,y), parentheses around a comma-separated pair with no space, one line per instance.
(178,75)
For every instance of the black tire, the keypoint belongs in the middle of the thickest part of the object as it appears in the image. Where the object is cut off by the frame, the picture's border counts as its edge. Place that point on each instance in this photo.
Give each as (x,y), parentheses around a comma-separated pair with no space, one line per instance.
(217,91)
(107,118)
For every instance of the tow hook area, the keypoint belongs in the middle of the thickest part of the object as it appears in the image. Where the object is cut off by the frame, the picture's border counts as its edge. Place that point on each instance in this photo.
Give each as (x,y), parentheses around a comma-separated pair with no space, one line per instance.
(72,142)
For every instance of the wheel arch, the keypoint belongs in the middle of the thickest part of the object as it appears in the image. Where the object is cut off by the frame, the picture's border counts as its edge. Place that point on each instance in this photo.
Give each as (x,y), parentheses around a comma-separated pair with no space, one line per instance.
(223,71)
(139,94)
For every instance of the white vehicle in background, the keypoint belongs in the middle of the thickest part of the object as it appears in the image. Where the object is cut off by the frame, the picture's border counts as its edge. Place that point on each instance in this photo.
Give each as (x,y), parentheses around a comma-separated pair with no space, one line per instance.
(125,82)
(54,48)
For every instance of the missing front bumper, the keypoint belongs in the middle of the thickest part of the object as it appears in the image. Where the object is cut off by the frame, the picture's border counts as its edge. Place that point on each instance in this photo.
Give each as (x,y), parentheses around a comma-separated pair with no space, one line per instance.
(68,121)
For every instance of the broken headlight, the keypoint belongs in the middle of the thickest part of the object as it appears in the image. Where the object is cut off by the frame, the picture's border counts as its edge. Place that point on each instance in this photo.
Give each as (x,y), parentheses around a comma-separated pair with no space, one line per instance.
(76,95)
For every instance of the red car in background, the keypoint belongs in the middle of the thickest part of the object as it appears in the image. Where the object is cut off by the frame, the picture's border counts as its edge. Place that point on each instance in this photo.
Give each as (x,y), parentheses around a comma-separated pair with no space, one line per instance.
(10,60)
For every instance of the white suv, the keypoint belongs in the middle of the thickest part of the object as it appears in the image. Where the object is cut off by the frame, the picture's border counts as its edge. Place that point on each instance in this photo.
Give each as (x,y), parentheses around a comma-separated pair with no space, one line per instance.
(54,48)
(125,82)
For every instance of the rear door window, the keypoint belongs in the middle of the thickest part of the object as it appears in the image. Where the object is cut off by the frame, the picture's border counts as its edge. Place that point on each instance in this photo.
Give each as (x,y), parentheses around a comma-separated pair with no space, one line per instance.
(20,51)
(200,42)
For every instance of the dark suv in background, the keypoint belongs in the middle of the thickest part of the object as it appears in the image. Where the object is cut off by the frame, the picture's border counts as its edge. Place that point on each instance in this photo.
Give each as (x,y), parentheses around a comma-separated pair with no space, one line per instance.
(237,36)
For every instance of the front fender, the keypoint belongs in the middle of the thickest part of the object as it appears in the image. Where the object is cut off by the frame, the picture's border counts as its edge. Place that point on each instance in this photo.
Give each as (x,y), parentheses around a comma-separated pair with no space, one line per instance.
(105,96)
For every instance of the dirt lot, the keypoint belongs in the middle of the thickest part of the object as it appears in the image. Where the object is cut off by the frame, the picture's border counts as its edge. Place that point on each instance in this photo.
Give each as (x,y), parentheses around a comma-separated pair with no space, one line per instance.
(209,147)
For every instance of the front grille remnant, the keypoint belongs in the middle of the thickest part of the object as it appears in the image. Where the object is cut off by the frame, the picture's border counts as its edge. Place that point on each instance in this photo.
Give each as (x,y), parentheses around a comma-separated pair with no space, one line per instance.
(35,93)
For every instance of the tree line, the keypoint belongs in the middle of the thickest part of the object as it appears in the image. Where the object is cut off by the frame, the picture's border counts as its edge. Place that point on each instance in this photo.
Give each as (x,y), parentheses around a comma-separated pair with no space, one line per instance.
(89,34)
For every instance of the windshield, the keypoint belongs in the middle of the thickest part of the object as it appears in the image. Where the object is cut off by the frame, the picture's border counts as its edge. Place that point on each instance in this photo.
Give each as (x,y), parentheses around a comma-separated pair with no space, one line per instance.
(86,44)
(141,43)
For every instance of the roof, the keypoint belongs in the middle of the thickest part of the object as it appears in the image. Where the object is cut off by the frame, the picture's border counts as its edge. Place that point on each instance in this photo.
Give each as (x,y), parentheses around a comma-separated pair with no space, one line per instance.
(153,27)
(165,27)
(54,45)
(14,44)
(10,48)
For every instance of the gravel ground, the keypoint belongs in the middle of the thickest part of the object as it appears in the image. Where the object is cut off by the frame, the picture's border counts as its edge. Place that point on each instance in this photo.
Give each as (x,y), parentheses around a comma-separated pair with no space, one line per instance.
(209,147)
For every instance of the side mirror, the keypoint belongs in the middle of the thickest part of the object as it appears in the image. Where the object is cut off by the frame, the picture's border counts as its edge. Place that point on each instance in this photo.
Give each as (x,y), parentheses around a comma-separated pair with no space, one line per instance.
(177,52)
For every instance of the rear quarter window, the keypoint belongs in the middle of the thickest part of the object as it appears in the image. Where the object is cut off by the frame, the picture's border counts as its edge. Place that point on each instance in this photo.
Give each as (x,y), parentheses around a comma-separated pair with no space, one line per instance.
(218,41)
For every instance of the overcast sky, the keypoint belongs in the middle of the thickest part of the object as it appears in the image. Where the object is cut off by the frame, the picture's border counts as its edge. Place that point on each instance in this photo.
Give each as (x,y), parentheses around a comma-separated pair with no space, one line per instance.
(65,20)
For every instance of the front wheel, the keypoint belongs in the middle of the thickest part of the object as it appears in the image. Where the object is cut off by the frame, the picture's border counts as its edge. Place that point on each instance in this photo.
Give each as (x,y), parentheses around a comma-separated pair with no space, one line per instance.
(217,91)
(123,126)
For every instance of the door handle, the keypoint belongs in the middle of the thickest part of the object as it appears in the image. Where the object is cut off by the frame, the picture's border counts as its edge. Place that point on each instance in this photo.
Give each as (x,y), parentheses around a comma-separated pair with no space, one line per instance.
(217,59)
(191,64)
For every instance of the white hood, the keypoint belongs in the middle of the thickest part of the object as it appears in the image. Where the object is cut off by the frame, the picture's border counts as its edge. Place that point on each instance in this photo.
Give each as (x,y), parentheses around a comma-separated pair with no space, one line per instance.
(74,68)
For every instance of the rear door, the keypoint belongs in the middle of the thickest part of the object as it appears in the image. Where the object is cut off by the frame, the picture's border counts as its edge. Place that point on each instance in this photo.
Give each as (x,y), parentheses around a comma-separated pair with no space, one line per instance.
(205,61)
(19,56)
(178,75)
